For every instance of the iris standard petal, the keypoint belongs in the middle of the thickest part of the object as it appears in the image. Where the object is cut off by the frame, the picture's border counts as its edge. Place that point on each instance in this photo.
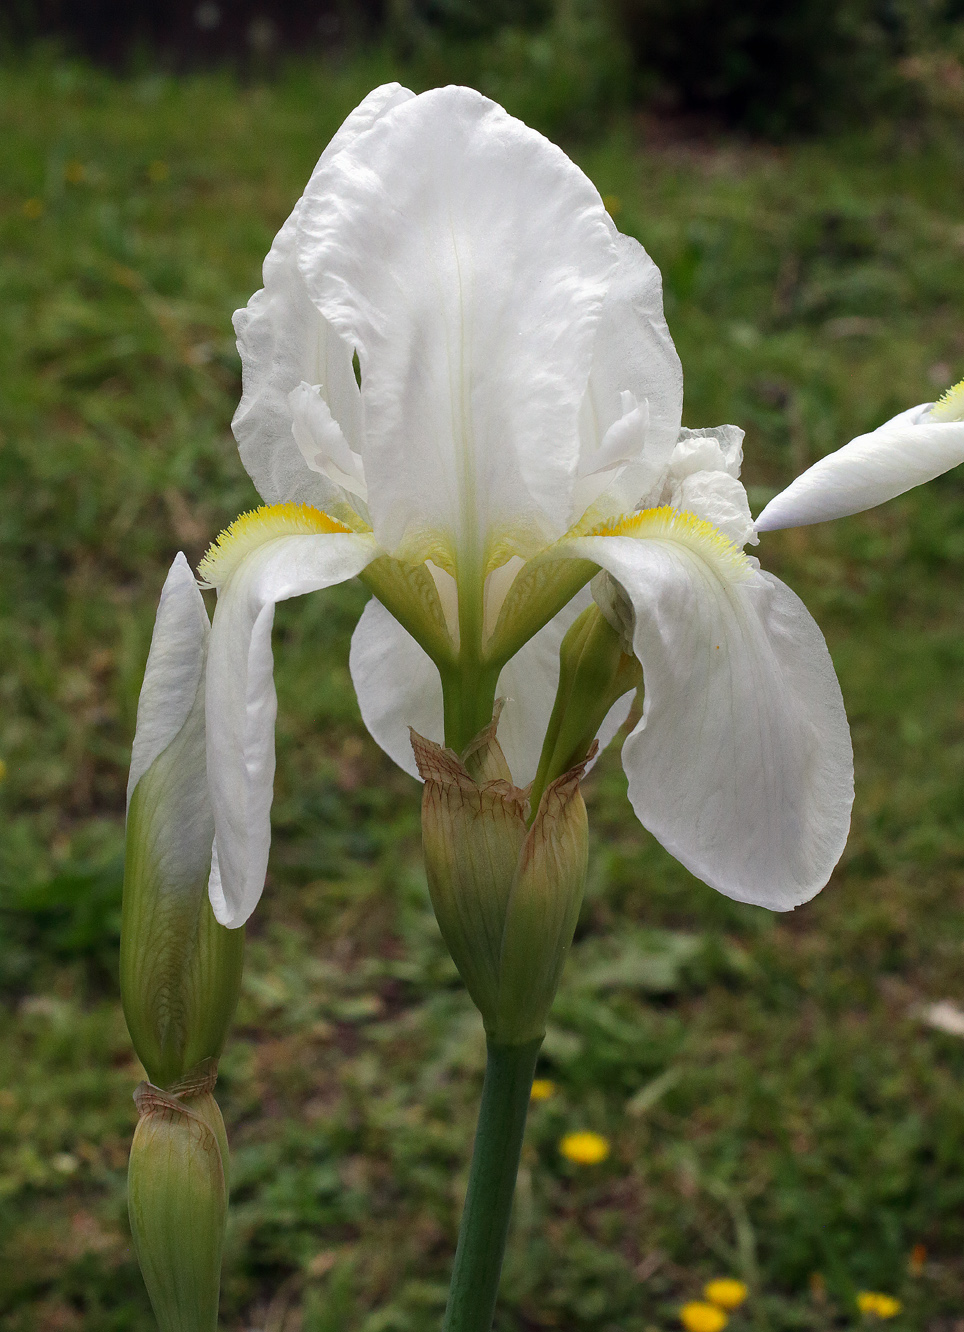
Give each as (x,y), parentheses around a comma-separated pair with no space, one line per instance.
(633,352)
(283,341)
(871,469)
(398,686)
(241,699)
(466,258)
(174,668)
(741,765)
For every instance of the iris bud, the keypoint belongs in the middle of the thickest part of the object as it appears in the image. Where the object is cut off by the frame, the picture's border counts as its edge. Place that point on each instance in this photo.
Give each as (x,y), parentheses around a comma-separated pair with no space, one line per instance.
(180,970)
(543,910)
(177,1201)
(506,895)
(596,668)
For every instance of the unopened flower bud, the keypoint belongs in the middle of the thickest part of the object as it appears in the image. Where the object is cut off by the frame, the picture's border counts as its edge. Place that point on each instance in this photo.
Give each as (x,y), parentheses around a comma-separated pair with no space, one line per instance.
(543,910)
(506,896)
(180,970)
(177,1200)
(472,833)
(596,668)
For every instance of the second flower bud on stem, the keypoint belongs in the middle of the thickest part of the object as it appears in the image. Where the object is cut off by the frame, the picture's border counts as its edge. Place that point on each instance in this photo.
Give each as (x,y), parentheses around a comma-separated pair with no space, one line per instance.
(506,896)
(506,870)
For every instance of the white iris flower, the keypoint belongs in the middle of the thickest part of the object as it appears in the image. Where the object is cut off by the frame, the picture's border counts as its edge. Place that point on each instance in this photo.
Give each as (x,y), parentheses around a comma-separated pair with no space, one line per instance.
(512,430)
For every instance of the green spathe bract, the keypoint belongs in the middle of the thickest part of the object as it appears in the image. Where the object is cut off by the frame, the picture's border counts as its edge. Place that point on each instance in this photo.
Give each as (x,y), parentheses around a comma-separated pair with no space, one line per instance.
(180,969)
(177,1201)
(506,896)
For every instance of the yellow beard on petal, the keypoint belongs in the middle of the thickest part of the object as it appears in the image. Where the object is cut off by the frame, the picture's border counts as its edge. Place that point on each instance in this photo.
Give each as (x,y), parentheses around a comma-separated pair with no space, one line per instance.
(671,524)
(253,529)
(950,406)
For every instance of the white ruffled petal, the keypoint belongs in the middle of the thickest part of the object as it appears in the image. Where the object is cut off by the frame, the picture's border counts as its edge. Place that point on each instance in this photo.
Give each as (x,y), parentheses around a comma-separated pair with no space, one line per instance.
(242,704)
(284,341)
(633,353)
(741,765)
(871,469)
(466,258)
(717,498)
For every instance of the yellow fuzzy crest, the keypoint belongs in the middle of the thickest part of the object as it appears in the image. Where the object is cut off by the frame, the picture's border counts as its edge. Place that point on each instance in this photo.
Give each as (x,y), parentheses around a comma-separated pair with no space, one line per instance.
(256,528)
(949,407)
(669,524)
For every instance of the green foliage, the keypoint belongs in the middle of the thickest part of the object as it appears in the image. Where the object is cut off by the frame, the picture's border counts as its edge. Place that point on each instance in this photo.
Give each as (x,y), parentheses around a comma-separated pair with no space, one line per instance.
(72,917)
(777,1109)
(568,74)
(787,69)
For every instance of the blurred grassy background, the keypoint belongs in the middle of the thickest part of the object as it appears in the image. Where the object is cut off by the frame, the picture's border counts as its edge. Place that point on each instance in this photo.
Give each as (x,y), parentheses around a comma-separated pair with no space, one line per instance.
(778,1109)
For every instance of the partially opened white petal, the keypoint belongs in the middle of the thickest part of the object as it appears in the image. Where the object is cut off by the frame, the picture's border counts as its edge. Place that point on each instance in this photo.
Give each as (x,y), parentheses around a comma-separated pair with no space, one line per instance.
(466,258)
(398,686)
(633,352)
(283,340)
(870,470)
(175,665)
(241,700)
(741,765)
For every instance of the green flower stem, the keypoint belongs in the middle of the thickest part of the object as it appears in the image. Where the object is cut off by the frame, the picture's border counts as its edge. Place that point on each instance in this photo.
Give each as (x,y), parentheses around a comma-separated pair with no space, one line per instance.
(488,1204)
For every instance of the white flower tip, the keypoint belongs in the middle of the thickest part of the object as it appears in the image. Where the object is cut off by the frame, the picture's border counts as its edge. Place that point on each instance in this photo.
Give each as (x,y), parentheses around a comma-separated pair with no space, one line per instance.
(174,668)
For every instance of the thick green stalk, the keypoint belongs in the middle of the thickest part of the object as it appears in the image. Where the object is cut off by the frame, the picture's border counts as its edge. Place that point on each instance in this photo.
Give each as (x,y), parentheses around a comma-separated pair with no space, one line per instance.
(488,1204)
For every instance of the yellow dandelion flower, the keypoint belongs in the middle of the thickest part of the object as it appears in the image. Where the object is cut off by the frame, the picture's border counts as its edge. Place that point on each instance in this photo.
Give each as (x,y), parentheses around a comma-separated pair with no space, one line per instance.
(33,208)
(542,1089)
(158,172)
(875,1304)
(585,1148)
(75,173)
(727,1292)
(699,1317)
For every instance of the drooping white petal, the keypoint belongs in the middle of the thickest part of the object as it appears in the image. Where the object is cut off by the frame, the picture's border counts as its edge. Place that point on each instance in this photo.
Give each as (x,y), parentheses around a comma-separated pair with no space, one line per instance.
(175,665)
(241,700)
(398,686)
(741,765)
(905,452)
(633,352)
(466,258)
(284,341)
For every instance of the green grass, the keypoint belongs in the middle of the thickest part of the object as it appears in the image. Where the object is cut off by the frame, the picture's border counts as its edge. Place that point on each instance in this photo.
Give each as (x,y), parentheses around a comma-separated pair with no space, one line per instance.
(777,1109)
